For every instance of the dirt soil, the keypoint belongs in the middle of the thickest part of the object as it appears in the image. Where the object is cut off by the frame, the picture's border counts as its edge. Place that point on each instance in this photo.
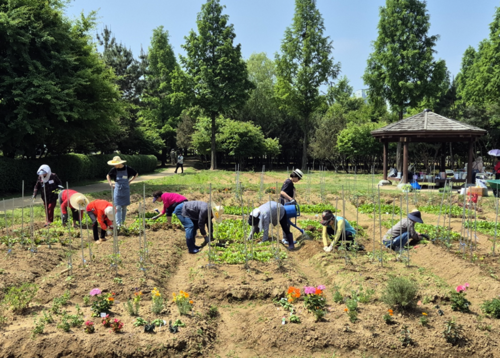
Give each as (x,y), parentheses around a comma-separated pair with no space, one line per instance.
(249,324)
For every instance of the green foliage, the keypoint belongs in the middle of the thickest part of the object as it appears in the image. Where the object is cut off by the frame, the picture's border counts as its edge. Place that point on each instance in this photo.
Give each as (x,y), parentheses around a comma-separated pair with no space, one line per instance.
(352,310)
(356,140)
(38,329)
(491,308)
(69,168)
(140,322)
(362,295)
(19,298)
(453,332)
(337,297)
(217,77)
(316,304)
(47,317)
(424,321)
(86,300)
(213,312)
(374,208)
(402,69)
(400,292)
(405,336)
(64,324)
(294,319)
(303,66)
(58,302)
(50,67)
(459,302)
(101,305)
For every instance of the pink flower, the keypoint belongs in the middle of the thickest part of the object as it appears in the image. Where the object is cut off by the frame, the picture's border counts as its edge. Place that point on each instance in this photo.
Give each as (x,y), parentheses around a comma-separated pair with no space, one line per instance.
(460,288)
(95,292)
(308,290)
(466,285)
(321,287)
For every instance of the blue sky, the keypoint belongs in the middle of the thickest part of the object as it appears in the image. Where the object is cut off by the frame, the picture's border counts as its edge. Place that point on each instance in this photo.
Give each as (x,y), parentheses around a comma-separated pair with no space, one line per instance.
(260,24)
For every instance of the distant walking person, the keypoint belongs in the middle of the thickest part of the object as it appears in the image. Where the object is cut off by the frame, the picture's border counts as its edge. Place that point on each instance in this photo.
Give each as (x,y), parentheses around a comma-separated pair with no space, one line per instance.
(173,156)
(180,163)
(48,183)
(123,175)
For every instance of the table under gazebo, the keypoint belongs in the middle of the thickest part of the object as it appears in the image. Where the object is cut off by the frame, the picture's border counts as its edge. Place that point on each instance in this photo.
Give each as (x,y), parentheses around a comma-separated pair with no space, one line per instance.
(428,127)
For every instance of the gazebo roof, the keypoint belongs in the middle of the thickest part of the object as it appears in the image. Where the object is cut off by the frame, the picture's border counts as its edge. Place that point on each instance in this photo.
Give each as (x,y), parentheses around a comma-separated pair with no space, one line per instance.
(428,126)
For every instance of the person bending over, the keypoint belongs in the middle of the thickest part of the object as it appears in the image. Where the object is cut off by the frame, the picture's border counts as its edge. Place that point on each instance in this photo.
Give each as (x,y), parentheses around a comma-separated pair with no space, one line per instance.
(338,228)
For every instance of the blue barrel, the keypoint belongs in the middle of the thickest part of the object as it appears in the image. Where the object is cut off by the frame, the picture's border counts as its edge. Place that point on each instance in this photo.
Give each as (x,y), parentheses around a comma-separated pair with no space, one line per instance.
(291,211)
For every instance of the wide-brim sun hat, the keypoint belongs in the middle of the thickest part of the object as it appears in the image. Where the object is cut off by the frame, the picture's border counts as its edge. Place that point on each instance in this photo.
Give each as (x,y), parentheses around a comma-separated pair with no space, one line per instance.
(109,213)
(217,211)
(326,218)
(299,173)
(78,201)
(116,161)
(415,216)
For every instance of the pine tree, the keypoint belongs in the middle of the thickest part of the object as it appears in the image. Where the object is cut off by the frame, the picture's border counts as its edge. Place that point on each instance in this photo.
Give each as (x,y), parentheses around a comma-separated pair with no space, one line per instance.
(304,64)
(216,72)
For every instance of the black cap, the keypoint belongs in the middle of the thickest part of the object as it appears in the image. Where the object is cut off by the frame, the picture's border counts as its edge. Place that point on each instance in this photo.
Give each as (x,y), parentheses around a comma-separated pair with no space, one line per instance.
(327,217)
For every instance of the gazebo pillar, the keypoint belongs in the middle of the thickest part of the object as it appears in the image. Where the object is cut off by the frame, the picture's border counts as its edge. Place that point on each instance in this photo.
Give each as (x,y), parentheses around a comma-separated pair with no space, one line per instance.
(405,161)
(469,162)
(386,145)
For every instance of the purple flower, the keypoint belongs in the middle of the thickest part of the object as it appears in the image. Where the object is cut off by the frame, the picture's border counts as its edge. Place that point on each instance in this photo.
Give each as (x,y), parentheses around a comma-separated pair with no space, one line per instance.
(308,290)
(95,292)
(321,287)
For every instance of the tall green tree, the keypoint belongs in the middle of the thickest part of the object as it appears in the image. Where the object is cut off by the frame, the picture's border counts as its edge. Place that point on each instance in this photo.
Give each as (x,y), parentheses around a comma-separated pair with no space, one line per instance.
(162,110)
(216,71)
(262,107)
(304,64)
(54,88)
(402,68)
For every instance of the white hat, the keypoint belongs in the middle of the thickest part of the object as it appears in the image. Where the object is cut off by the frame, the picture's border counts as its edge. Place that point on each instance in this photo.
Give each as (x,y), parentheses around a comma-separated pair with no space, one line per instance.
(78,201)
(299,173)
(109,213)
(217,211)
(116,161)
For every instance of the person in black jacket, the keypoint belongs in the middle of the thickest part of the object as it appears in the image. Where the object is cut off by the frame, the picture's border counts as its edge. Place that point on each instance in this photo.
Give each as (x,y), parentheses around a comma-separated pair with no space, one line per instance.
(48,183)
(287,195)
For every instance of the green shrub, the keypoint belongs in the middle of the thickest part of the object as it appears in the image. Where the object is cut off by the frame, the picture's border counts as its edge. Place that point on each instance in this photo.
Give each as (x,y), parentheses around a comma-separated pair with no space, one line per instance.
(69,168)
(400,292)
(491,308)
(18,298)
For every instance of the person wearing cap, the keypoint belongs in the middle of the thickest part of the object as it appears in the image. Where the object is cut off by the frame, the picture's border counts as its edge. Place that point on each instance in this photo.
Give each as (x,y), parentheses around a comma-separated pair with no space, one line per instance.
(260,218)
(170,202)
(75,201)
(287,195)
(339,228)
(122,175)
(100,212)
(398,236)
(193,215)
(48,183)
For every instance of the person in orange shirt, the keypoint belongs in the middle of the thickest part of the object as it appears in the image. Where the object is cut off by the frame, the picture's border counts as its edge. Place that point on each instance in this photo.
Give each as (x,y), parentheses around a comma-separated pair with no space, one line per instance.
(101,211)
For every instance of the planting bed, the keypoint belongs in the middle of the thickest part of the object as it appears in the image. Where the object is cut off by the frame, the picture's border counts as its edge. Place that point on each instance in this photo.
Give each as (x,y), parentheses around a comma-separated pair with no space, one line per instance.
(235,292)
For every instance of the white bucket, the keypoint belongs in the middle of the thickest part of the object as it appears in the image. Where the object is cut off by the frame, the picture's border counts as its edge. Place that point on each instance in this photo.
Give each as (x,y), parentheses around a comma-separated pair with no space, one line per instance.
(399,175)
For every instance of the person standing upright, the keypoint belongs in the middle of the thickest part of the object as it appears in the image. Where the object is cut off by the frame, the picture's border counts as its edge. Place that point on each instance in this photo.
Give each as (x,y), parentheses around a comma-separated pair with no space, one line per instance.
(173,156)
(287,195)
(122,175)
(48,183)
(180,162)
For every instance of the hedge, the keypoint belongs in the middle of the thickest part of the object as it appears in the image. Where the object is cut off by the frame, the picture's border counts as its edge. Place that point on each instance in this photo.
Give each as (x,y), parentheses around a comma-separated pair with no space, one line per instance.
(69,168)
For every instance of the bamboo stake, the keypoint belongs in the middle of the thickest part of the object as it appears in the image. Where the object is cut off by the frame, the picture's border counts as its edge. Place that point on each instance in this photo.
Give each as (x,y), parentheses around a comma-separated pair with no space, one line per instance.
(46,214)
(146,247)
(69,253)
(380,225)
(210,264)
(407,243)
(22,214)
(400,220)
(496,226)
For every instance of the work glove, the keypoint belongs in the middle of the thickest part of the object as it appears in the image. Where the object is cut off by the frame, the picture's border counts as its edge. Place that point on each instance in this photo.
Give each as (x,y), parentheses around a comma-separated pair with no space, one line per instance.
(328,248)
(109,232)
(155,217)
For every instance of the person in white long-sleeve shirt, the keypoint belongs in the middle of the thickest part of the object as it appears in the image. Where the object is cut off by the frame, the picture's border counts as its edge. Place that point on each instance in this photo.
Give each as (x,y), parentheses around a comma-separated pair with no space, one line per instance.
(261,217)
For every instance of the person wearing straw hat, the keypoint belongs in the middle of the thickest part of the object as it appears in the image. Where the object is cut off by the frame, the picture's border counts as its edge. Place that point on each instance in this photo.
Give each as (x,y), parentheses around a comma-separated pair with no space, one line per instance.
(122,175)
(75,201)
(261,217)
(170,202)
(101,214)
(339,228)
(193,215)
(398,236)
(287,195)
(48,183)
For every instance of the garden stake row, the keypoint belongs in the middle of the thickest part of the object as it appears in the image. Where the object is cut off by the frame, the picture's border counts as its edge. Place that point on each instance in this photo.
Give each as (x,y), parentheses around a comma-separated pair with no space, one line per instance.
(47,215)
(380,227)
(400,219)
(277,248)
(463,229)
(32,230)
(115,241)
(210,263)
(407,243)
(69,252)
(496,225)
(146,246)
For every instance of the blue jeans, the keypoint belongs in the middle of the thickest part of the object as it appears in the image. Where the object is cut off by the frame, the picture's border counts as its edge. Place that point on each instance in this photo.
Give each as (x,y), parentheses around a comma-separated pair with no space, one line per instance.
(398,242)
(189,226)
(121,213)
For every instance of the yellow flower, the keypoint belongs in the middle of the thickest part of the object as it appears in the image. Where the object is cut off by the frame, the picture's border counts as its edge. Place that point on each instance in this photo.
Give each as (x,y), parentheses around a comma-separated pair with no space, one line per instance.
(173,294)
(423,313)
(186,294)
(157,294)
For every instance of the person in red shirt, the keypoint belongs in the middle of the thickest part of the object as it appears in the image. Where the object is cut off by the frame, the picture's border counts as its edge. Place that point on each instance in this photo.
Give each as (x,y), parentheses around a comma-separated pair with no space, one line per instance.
(67,199)
(497,169)
(100,211)
(170,202)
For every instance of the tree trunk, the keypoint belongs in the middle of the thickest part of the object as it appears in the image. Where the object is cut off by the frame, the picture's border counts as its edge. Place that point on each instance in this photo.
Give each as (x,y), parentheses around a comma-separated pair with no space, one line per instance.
(213,162)
(304,149)
(164,157)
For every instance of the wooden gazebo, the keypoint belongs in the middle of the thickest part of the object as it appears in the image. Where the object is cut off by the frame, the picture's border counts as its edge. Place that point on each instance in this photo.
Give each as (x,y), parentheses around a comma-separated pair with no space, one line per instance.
(427,126)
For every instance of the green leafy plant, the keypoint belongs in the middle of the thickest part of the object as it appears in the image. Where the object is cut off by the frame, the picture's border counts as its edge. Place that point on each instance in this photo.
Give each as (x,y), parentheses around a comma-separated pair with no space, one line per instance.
(453,332)
(283,302)
(47,317)
(361,295)
(400,292)
(337,296)
(18,298)
(118,280)
(405,336)
(140,322)
(388,316)
(424,320)
(294,319)
(58,302)
(102,302)
(38,328)
(491,308)
(133,306)
(157,299)
(89,327)
(458,300)
(86,300)
(352,310)
(64,324)
(178,323)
